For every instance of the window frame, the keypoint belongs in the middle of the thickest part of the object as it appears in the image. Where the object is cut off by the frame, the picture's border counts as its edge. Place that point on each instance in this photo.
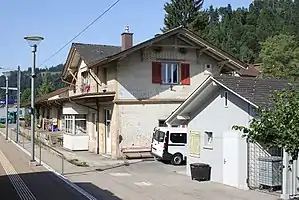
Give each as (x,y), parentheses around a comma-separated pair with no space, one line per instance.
(185,139)
(208,140)
(74,122)
(165,77)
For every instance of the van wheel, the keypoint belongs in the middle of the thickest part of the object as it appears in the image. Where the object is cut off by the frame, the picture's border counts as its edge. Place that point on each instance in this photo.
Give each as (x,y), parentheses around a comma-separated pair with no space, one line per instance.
(177,159)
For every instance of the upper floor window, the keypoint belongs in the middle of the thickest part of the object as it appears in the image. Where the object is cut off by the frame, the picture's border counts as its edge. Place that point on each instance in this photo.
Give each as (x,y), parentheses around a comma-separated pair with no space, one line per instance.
(85,78)
(171,73)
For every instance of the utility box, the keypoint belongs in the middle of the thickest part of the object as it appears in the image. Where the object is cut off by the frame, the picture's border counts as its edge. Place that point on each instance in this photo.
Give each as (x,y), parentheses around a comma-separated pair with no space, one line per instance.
(270,172)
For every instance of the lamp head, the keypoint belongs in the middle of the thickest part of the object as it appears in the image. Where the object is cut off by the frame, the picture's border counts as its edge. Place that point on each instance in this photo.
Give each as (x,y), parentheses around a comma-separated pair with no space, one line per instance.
(33,41)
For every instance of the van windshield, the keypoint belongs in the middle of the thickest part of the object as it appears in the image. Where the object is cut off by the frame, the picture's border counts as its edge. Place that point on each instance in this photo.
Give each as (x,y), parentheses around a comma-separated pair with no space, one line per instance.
(159,136)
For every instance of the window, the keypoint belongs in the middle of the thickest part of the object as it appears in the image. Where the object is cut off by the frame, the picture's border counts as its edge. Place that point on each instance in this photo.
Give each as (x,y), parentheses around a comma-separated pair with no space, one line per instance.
(170,73)
(225,98)
(85,78)
(208,138)
(178,138)
(75,124)
(159,136)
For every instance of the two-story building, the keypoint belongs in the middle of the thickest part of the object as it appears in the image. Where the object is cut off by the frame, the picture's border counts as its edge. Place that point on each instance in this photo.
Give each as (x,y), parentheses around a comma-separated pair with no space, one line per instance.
(118,94)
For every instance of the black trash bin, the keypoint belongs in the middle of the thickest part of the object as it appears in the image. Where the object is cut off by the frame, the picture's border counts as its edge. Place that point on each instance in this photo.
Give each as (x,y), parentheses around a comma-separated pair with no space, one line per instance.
(200,171)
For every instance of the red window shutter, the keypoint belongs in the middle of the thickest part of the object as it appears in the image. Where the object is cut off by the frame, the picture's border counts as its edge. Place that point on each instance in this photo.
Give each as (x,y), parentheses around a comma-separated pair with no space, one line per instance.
(185,74)
(156,72)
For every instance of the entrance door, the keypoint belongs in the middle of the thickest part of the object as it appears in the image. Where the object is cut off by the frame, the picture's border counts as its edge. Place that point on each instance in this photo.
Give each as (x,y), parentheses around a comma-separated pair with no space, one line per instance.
(230,158)
(107,132)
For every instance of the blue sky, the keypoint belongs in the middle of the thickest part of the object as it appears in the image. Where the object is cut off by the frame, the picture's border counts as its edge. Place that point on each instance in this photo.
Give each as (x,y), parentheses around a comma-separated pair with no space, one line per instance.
(59,21)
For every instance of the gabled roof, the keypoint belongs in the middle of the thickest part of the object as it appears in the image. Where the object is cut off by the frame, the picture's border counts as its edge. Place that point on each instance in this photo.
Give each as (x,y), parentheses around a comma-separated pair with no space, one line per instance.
(97,55)
(200,42)
(93,52)
(255,91)
(90,53)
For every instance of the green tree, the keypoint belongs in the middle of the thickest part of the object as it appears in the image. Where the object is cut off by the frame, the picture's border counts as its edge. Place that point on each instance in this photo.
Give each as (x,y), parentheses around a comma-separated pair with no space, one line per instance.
(184,13)
(46,86)
(26,95)
(277,125)
(280,57)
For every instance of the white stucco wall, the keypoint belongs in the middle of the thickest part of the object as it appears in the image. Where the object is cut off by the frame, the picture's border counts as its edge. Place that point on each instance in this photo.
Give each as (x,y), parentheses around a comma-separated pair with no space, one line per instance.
(217,118)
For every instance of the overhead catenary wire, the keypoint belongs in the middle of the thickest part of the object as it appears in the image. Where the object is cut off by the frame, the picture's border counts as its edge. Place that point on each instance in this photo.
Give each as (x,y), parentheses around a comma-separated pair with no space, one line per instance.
(81,32)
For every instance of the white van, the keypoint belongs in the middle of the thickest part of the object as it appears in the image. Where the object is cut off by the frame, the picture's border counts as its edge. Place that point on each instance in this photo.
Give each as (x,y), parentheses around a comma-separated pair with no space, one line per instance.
(170,144)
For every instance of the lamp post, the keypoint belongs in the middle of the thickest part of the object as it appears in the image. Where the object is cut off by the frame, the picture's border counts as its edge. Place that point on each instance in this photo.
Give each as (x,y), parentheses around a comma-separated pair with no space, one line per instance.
(33,41)
(19,103)
(6,74)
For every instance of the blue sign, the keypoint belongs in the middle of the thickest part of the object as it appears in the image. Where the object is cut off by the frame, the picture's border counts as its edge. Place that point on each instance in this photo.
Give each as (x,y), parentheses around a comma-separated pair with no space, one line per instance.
(10,101)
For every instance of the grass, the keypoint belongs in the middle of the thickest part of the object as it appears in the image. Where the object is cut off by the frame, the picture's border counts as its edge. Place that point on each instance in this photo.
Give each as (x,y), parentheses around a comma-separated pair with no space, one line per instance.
(78,163)
(2,126)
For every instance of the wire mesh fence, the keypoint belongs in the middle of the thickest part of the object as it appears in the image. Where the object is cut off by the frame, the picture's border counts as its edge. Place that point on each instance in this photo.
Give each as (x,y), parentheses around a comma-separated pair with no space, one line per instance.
(264,168)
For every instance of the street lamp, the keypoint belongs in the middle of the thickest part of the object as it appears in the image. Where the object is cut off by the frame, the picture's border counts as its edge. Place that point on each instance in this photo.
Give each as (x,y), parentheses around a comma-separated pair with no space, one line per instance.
(33,41)
(6,74)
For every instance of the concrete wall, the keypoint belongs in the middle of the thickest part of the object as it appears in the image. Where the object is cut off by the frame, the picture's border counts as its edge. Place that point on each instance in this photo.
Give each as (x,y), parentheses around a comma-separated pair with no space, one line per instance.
(134,75)
(137,121)
(215,117)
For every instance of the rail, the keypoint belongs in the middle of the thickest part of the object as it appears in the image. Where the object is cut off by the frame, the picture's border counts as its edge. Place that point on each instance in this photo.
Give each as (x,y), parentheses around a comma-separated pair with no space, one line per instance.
(40,143)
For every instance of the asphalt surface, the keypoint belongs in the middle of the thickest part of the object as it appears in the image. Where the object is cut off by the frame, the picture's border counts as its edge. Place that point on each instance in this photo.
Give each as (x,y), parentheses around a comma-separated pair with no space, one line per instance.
(19,180)
(7,190)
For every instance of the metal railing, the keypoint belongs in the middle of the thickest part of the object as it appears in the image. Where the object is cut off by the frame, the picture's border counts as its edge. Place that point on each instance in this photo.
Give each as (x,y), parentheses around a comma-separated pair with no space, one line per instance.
(40,145)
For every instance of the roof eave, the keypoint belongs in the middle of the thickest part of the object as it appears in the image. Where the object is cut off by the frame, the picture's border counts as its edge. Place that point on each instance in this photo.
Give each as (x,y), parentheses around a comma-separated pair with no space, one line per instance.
(234,61)
(136,47)
(197,91)
(68,61)
(189,99)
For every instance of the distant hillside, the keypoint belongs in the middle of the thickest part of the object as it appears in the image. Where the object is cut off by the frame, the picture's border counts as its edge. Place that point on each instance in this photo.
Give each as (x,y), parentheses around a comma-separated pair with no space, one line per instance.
(53,76)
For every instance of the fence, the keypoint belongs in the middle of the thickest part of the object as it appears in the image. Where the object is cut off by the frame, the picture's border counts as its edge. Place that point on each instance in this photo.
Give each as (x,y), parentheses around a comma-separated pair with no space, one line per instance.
(40,144)
(264,168)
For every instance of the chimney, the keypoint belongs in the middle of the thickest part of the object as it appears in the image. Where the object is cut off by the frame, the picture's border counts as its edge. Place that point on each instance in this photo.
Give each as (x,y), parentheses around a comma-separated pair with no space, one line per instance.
(126,39)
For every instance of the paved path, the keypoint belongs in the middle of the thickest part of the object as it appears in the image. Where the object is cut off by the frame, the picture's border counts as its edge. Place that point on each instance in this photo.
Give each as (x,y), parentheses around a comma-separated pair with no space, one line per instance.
(19,180)
(149,180)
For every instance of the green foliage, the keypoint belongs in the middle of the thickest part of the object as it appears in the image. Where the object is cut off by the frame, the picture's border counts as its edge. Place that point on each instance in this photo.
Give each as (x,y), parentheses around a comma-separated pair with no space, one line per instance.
(238,31)
(280,56)
(47,80)
(278,124)
(26,95)
(46,86)
(182,13)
